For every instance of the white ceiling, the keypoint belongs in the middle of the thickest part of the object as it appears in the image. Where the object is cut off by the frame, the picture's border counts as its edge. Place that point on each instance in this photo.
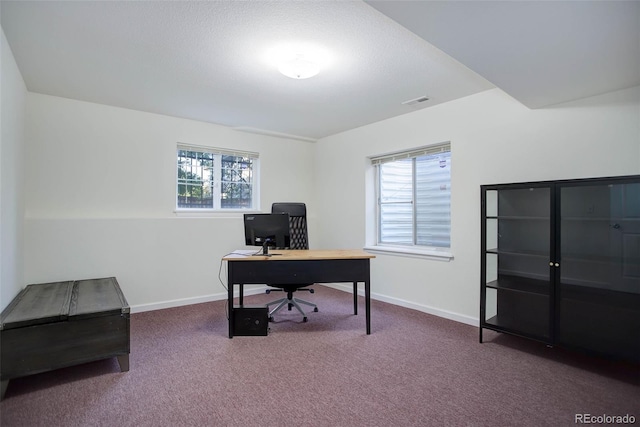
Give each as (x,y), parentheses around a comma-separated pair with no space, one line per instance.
(206,60)
(540,52)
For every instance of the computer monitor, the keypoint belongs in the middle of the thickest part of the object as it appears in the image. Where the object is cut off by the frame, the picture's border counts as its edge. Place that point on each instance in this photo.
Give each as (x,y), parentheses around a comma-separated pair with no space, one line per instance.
(267,230)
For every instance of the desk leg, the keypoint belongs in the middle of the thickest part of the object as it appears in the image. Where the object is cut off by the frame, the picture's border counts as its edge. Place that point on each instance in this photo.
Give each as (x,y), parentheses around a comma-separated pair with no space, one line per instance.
(230,301)
(367,304)
(241,296)
(355,298)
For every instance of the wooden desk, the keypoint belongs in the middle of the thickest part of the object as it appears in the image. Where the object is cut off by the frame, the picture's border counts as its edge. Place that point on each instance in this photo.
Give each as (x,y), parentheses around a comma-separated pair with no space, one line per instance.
(300,266)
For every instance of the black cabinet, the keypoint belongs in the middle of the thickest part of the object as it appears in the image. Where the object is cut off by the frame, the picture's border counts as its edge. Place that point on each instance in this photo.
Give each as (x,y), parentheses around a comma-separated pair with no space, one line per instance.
(560,263)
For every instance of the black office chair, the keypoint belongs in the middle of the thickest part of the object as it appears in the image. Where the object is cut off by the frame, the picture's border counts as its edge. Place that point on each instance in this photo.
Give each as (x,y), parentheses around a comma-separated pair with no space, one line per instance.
(298,240)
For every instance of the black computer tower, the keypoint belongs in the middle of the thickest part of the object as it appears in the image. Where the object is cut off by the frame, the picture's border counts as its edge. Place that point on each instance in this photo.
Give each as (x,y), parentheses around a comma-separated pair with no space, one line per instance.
(250,320)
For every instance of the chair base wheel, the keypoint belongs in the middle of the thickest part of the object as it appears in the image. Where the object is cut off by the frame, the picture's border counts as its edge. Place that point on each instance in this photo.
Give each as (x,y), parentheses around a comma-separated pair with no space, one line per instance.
(315,309)
(304,320)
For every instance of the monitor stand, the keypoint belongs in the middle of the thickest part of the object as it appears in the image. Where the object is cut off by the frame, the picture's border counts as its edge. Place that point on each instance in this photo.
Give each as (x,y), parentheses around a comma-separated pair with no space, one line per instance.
(265,248)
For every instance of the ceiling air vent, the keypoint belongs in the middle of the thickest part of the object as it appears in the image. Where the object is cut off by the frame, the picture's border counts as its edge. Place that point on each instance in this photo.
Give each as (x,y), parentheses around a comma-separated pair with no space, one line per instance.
(417,101)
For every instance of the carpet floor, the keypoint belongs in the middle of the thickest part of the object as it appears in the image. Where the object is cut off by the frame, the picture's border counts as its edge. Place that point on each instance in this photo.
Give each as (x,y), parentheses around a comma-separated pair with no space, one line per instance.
(414,369)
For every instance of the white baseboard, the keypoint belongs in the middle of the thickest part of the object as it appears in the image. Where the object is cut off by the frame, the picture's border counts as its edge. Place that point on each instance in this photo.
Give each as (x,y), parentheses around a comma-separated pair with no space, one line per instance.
(339,286)
(403,303)
(140,308)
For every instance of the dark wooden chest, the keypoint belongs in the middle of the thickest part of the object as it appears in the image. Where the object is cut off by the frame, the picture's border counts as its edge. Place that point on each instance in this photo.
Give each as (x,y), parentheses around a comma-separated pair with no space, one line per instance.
(54,325)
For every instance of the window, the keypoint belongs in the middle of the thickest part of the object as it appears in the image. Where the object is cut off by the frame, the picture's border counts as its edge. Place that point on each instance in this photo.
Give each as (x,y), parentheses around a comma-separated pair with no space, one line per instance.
(414,197)
(215,179)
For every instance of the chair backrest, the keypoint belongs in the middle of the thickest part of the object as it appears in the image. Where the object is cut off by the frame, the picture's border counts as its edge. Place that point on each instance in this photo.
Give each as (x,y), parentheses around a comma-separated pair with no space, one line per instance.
(297,223)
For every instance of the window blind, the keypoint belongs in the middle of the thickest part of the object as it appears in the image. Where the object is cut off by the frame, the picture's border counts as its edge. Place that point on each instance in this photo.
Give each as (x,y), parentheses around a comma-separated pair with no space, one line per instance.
(414,196)
(416,152)
(216,150)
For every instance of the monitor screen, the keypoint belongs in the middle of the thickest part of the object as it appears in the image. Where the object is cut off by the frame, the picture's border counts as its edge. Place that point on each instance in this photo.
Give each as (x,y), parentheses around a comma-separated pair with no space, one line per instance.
(267,230)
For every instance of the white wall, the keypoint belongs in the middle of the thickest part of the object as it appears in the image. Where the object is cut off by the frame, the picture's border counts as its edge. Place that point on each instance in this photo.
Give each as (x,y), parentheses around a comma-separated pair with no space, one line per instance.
(494,139)
(100,185)
(13,93)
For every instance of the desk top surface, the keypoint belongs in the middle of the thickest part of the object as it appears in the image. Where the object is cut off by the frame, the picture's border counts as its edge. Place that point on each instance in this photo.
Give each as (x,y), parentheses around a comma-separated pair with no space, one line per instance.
(302,254)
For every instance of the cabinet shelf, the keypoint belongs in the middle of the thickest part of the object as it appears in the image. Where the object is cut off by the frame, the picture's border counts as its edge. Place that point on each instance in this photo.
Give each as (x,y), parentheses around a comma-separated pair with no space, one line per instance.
(619,299)
(605,219)
(520,217)
(517,252)
(520,284)
(525,328)
(597,258)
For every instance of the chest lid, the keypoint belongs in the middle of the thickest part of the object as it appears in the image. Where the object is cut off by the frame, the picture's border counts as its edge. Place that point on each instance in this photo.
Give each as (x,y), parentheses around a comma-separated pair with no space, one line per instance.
(97,297)
(37,304)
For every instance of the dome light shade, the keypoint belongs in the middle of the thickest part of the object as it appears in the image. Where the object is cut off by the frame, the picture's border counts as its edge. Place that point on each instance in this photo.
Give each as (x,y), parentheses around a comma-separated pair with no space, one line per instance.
(299,67)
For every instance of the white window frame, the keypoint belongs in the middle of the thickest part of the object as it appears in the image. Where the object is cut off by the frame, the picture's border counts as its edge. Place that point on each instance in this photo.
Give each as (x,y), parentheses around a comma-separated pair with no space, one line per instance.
(218,153)
(410,250)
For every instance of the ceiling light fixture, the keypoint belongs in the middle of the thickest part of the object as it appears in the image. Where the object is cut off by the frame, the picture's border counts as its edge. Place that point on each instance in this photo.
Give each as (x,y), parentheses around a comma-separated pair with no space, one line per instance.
(298,60)
(299,67)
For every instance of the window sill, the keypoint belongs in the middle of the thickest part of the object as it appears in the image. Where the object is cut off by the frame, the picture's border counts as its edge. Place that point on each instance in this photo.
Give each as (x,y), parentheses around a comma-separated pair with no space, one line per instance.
(424,253)
(211,212)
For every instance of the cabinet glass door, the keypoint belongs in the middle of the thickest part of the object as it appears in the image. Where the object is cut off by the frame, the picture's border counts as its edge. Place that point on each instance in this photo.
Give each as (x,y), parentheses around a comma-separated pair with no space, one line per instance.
(517,256)
(599,292)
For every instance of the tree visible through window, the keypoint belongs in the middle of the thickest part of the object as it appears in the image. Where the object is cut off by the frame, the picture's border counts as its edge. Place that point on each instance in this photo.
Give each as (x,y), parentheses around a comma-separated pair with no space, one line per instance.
(216,179)
(414,197)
